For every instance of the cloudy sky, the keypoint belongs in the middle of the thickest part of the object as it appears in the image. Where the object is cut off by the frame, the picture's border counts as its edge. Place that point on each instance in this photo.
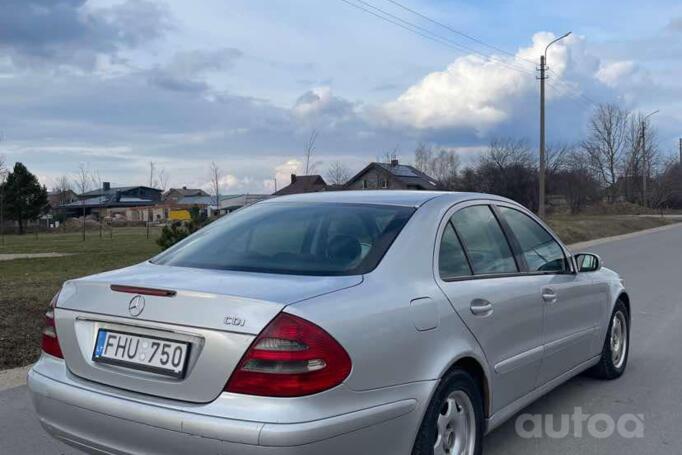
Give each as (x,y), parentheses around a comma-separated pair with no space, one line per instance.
(116,84)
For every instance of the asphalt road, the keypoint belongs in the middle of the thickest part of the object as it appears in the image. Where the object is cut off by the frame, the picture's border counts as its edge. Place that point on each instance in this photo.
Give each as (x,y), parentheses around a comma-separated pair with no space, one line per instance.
(651,265)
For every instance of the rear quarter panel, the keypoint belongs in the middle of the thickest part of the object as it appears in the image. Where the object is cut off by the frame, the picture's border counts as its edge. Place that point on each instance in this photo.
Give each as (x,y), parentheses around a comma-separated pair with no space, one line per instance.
(389,340)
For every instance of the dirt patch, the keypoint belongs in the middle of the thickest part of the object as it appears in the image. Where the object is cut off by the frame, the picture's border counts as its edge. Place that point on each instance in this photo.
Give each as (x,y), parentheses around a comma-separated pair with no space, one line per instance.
(11,257)
(13,378)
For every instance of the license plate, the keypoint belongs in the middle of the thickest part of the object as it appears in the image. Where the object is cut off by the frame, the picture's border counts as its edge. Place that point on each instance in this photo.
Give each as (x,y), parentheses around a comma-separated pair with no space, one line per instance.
(156,355)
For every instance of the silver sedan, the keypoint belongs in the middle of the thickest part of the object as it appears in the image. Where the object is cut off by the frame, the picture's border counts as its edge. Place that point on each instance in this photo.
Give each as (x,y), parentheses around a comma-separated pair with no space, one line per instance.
(369,322)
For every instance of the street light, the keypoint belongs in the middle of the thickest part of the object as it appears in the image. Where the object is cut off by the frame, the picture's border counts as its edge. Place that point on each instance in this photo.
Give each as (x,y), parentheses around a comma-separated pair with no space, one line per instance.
(543,163)
(645,171)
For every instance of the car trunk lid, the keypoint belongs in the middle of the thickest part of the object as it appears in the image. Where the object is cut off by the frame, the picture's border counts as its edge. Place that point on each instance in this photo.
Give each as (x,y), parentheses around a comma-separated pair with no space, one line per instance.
(217,313)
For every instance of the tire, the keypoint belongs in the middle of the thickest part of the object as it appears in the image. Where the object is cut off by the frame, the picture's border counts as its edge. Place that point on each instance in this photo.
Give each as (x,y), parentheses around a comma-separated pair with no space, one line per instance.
(612,365)
(457,392)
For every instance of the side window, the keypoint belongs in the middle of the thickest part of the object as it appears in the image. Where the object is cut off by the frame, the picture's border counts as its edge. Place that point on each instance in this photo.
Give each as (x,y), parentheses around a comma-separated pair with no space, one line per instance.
(542,252)
(452,262)
(485,243)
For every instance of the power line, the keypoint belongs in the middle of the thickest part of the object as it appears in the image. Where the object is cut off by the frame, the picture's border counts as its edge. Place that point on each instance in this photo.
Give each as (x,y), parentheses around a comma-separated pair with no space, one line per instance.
(425,33)
(454,43)
(458,32)
(582,95)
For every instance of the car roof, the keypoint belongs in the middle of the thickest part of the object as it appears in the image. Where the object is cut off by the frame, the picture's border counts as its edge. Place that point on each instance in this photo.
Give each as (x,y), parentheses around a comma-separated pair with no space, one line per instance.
(383,197)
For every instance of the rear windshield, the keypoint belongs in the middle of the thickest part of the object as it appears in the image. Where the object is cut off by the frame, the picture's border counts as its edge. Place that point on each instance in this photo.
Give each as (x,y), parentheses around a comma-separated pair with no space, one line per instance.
(294,238)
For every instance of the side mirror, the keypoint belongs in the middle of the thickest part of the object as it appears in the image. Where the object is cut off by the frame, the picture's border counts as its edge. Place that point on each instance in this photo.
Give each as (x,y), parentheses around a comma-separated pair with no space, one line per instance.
(587,262)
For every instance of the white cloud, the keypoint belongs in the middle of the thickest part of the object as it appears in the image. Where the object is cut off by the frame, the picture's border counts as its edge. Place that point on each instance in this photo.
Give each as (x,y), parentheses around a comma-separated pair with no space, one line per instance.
(283,172)
(230,183)
(612,73)
(478,93)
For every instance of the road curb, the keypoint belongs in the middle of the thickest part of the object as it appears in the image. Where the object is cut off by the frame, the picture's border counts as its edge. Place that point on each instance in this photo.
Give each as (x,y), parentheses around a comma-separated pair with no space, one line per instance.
(16,377)
(577,247)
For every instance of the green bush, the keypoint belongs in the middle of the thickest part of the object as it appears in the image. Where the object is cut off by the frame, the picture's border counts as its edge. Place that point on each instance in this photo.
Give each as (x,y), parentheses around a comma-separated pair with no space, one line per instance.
(172,234)
(178,230)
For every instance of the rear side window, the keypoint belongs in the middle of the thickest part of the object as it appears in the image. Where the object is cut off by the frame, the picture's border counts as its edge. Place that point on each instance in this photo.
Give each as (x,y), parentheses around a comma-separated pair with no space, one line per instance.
(452,261)
(294,238)
(485,242)
(541,251)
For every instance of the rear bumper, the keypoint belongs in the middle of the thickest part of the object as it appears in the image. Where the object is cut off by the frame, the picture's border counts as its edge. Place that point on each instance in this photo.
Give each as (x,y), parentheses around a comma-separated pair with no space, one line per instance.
(100,422)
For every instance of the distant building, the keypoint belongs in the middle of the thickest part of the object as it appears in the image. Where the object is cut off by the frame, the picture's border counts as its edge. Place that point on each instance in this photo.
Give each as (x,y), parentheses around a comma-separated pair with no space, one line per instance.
(303,184)
(105,201)
(391,176)
(58,198)
(175,194)
(229,204)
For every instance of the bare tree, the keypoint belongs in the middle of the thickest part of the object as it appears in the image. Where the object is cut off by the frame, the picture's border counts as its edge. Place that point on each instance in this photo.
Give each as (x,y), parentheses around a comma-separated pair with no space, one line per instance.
(508,168)
(83,179)
(422,157)
(308,150)
(158,177)
(558,155)
(338,173)
(666,190)
(215,174)
(389,155)
(443,166)
(97,183)
(162,180)
(3,169)
(62,188)
(574,180)
(96,179)
(504,152)
(606,144)
(3,177)
(638,162)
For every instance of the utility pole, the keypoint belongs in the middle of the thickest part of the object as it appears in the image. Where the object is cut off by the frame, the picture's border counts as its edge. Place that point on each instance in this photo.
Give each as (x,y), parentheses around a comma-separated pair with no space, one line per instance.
(681,150)
(645,171)
(543,157)
(543,164)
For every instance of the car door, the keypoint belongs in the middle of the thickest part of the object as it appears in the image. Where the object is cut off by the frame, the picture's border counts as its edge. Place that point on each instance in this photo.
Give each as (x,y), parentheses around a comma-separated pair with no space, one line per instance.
(480,275)
(571,302)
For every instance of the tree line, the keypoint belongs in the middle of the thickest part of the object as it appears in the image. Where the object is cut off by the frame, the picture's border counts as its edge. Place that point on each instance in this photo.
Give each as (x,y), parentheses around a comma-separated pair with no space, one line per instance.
(619,160)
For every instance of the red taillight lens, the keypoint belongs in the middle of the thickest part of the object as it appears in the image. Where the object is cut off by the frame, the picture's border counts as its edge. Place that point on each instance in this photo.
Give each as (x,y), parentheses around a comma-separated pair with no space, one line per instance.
(290,358)
(50,344)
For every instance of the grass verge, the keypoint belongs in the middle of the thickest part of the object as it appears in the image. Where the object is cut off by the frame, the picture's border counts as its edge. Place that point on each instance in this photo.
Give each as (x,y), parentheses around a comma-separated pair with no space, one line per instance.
(27,285)
(574,229)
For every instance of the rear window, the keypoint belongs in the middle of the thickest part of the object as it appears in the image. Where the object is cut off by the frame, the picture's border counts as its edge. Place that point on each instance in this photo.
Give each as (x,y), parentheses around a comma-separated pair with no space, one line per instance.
(484,240)
(294,238)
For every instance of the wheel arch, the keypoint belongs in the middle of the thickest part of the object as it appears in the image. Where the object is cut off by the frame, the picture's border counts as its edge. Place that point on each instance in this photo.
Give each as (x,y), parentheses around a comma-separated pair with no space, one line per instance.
(475,368)
(625,298)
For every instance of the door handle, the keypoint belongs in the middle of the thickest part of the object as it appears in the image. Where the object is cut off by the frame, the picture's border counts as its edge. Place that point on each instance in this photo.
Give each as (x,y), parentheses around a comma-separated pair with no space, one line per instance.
(481,307)
(549,296)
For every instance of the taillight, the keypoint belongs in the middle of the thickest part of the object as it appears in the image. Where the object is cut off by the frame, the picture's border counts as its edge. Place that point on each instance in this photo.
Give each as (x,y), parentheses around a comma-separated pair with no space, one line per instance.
(290,358)
(50,344)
